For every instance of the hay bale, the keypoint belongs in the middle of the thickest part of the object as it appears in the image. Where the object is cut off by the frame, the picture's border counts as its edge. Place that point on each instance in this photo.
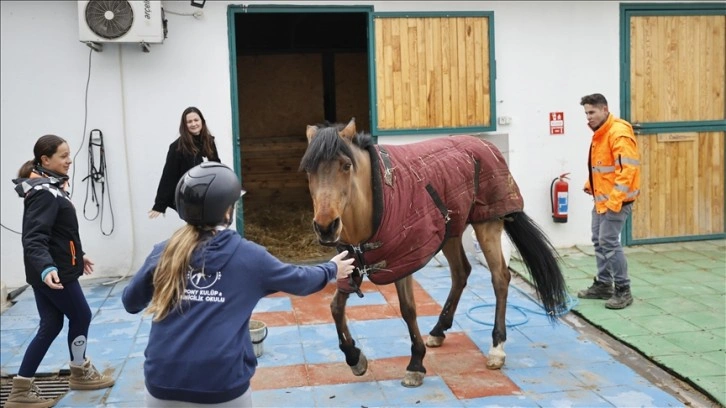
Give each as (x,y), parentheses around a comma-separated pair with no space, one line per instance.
(286,232)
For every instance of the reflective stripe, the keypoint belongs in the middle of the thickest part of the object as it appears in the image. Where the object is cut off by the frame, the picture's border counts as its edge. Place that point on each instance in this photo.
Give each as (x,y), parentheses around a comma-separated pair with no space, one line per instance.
(622,188)
(603,169)
(599,198)
(632,162)
(632,194)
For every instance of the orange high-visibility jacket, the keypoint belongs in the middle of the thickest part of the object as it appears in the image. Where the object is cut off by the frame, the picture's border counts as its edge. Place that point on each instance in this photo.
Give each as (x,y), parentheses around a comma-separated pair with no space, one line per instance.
(614,165)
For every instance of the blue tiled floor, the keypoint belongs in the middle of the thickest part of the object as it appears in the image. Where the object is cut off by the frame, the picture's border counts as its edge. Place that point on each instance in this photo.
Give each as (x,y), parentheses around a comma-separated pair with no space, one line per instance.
(553,365)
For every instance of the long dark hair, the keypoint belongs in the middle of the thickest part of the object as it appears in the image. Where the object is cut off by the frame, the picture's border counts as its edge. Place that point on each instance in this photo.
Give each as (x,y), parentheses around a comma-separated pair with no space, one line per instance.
(46,145)
(186,139)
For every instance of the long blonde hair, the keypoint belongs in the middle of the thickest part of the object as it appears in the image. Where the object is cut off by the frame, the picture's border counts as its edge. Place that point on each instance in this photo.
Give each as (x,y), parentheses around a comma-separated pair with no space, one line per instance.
(170,275)
(170,279)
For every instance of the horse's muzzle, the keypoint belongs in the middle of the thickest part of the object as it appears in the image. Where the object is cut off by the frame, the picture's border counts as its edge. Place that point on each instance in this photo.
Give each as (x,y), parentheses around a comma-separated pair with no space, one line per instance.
(329,235)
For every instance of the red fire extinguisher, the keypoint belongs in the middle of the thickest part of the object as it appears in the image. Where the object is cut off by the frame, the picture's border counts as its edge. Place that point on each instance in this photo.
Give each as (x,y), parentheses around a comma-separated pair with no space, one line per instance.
(559,198)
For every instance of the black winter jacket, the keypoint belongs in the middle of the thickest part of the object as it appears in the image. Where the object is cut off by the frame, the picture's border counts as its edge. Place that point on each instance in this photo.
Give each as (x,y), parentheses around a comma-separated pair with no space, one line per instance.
(50,230)
(176,165)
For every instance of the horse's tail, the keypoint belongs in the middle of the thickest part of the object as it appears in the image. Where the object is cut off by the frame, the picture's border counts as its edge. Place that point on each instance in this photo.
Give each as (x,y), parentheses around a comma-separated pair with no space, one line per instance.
(541,261)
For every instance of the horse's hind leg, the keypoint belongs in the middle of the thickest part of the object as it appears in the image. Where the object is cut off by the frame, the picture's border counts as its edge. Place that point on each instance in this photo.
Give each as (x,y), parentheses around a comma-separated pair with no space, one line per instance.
(489,235)
(415,371)
(353,356)
(460,270)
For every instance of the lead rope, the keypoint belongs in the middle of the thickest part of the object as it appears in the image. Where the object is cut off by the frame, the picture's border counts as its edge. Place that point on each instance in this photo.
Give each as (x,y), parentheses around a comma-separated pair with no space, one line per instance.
(97,175)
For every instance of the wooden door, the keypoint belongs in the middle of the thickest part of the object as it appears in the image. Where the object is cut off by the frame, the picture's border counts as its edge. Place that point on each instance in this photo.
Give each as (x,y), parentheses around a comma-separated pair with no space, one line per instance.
(674,96)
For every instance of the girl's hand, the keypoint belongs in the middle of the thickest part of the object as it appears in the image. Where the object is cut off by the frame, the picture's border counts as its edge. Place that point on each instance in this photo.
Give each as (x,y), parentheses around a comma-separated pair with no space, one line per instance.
(345,266)
(153,214)
(53,281)
(87,265)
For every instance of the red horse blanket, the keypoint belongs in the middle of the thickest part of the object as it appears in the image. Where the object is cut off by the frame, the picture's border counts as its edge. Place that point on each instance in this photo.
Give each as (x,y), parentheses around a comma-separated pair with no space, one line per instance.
(424,193)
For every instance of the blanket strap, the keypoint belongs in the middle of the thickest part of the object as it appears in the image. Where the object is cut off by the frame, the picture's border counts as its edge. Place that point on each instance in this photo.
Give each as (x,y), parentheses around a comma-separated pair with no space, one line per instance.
(388,174)
(439,203)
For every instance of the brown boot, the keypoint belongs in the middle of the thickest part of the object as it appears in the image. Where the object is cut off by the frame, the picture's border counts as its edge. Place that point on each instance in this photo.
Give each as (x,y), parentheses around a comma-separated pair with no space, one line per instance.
(86,377)
(25,394)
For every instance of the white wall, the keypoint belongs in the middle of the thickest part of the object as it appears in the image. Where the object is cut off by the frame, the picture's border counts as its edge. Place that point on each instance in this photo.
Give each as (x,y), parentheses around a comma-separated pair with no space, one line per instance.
(548,55)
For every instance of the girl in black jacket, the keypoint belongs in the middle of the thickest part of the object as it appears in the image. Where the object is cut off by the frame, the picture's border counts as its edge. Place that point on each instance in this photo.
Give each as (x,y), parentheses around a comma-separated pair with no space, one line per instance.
(194,146)
(54,260)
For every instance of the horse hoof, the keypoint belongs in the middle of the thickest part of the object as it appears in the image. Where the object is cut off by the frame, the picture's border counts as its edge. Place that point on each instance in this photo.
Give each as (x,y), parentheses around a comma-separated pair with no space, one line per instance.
(496,357)
(413,379)
(434,341)
(362,366)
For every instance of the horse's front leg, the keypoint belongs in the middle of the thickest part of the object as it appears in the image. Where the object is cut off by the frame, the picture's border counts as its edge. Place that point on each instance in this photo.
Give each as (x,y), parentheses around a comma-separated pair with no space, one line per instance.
(460,271)
(415,371)
(353,356)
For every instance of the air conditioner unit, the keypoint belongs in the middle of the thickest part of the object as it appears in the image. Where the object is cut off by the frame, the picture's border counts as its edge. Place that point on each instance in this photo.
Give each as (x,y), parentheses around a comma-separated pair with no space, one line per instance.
(114,21)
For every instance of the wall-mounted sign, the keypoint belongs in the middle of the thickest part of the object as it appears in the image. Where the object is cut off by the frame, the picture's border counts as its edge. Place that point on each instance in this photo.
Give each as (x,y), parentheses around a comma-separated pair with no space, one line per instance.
(677,137)
(557,123)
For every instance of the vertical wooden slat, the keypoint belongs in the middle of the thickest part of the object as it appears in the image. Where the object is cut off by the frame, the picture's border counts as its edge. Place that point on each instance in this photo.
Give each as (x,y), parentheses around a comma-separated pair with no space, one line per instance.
(423,90)
(397,77)
(405,75)
(454,71)
(436,78)
(461,61)
(388,101)
(379,70)
(445,74)
(470,73)
(413,53)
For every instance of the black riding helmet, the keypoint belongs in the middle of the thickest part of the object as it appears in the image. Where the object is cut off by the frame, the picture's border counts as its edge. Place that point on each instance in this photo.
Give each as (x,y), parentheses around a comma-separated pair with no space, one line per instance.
(205,193)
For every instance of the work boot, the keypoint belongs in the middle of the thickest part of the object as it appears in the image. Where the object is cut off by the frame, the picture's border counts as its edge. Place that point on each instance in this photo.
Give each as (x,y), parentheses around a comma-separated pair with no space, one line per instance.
(621,298)
(86,377)
(25,394)
(598,290)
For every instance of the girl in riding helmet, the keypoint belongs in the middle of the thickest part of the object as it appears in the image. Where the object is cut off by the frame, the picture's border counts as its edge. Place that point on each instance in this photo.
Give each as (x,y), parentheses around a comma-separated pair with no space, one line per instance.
(201,287)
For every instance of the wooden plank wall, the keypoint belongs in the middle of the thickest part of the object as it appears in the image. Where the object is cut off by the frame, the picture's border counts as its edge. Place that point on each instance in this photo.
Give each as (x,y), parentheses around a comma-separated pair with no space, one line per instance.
(682,185)
(432,72)
(691,87)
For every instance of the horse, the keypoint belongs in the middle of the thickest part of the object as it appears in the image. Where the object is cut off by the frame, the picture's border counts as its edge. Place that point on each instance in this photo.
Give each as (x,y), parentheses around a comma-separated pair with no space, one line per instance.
(395,207)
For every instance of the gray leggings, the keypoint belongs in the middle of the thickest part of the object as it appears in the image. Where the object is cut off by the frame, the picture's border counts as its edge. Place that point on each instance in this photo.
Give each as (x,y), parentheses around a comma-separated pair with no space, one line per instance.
(611,263)
(243,401)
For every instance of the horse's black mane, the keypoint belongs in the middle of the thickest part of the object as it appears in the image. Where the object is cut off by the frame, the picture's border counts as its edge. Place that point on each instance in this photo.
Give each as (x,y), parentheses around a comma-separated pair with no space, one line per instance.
(327,145)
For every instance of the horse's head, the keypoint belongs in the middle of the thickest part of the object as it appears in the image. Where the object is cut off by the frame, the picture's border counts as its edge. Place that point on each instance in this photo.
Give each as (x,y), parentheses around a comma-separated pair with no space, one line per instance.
(332,162)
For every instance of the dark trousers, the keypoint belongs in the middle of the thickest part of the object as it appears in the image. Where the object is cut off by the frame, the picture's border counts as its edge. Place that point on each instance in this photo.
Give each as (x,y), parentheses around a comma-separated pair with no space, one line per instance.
(53,305)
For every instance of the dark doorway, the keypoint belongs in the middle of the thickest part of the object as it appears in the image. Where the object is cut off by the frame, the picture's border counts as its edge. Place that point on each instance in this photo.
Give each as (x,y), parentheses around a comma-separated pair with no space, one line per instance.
(293,69)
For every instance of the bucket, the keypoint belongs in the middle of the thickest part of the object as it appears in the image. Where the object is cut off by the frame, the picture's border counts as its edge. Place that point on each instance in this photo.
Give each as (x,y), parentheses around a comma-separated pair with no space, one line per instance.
(258,332)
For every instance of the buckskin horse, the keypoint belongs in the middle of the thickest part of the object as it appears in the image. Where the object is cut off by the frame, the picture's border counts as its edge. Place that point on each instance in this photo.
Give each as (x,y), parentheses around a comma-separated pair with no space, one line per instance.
(395,207)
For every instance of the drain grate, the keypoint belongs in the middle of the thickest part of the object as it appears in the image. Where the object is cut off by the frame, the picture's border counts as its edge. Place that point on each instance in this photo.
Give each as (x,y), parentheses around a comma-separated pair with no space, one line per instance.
(53,386)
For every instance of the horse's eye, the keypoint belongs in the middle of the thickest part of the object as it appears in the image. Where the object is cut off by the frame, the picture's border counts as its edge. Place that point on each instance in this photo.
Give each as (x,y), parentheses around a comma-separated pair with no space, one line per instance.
(346,166)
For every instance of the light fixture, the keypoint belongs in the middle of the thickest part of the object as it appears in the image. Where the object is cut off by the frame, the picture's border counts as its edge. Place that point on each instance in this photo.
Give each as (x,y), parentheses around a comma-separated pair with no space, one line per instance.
(198,3)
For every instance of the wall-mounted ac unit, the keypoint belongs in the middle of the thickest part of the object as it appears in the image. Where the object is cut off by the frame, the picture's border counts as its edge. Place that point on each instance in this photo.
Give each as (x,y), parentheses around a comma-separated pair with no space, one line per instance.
(114,21)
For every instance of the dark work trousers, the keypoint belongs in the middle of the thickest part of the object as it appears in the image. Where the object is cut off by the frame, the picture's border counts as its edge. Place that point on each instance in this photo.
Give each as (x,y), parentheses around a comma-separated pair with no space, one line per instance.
(53,305)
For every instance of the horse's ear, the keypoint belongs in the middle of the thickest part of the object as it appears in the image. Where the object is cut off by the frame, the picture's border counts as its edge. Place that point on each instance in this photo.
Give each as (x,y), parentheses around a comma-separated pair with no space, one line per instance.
(310,132)
(349,130)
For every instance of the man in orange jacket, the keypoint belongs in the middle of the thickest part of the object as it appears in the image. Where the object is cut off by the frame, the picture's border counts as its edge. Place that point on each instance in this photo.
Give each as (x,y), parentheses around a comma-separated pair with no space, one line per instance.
(614,183)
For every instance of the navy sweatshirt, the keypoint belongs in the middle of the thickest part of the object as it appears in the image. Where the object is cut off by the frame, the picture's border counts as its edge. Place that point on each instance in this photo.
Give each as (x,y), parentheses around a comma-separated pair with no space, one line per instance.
(204,353)
(50,230)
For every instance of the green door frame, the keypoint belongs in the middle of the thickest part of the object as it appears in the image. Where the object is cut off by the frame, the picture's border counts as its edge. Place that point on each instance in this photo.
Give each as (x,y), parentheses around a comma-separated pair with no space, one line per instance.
(628,10)
(232,11)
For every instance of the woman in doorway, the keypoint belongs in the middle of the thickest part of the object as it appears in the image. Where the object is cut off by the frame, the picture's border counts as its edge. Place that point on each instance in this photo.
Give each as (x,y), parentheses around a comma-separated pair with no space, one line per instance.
(201,287)
(194,145)
(54,260)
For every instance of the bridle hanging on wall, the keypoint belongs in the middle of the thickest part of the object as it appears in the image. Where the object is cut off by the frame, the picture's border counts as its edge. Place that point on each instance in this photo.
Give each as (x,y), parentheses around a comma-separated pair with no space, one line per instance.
(97,175)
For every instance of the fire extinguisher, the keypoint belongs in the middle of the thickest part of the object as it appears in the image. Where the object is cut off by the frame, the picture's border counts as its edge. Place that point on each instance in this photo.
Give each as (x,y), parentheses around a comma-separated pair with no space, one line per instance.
(559,198)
